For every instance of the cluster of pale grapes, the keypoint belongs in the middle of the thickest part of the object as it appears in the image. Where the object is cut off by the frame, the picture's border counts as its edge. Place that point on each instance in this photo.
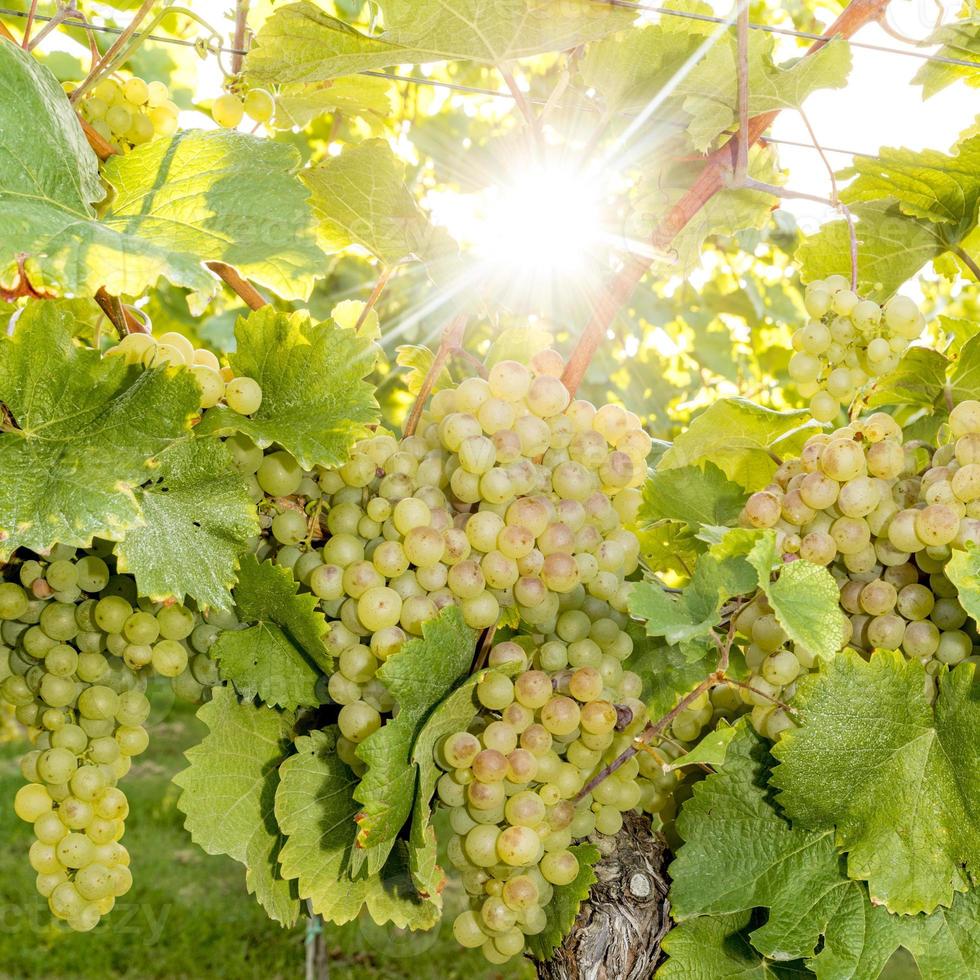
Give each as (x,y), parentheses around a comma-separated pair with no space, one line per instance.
(848,342)
(510,499)
(10,729)
(127,111)
(884,519)
(241,394)
(75,653)
(229,109)
(550,721)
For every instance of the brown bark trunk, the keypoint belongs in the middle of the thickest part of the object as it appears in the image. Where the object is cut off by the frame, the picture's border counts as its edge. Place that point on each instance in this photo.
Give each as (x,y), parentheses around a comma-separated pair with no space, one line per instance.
(619,928)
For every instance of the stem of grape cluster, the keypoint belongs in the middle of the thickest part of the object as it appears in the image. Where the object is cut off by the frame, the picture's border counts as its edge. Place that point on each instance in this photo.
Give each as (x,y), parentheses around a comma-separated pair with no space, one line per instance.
(451,339)
(108,59)
(375,295)
(241,28)
(253,299)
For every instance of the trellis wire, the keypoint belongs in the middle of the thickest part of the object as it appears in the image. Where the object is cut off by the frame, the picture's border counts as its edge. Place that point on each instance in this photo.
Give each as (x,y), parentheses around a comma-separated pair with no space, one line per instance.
(503,94)
(626,4)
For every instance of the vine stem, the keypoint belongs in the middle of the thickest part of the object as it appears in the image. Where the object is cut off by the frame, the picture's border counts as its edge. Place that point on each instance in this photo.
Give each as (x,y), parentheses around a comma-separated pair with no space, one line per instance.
(241,29)
(967,260)
(654,728)
(710,181)
(119,316)
(26,43)
(105,62)
(375,296)
(451,339)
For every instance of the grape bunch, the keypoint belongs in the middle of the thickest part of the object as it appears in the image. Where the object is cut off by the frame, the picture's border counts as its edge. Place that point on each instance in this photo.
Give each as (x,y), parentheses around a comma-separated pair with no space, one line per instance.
(229,109)
(127,111)
(512,780)
(511,498)
(848,342)
(884,518)
(241,394)
(76,649)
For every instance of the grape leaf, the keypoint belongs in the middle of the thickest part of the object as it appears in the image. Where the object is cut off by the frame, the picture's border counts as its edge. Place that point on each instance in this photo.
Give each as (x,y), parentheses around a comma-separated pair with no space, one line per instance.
(562,910)
(48,165)
(301,43)
(964,375)
(963,570)
(359,197)
(316,810)
(740,854)
(714,947)
(358,95)
(277,657)
(228,794)
(315,401)
(453,714)
(177,202)
(935,187)
(739,437)
(693,495)
(418,676)
(897,777)
(892,247)
(804,597)
(712,750)
(668,672)
(917,380)
(418,360)
(197,522)
(696,611)
(84,435)
(959,40)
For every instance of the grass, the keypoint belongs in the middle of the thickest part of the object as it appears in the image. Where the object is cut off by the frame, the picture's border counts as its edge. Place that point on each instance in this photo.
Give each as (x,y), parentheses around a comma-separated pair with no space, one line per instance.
(189,916)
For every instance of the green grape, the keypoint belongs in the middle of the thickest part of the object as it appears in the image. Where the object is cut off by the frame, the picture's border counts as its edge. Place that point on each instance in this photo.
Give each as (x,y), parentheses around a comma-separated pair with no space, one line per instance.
(227,111)
(243,395)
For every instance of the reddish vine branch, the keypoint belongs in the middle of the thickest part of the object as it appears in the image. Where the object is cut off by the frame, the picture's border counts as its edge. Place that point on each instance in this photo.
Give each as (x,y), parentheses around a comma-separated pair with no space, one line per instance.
(253,299)
(241,28)
(712,178)
(451,339)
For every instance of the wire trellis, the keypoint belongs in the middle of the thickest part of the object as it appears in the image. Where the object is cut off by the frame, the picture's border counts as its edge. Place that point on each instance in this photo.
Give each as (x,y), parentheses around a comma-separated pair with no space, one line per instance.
(506,94)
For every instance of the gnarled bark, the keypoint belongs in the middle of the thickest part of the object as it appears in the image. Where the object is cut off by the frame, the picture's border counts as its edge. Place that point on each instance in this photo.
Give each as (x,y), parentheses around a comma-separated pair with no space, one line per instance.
(619,929)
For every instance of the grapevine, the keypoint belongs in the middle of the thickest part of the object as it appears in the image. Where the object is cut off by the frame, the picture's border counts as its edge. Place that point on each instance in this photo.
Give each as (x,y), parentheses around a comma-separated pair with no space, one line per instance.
(567,555)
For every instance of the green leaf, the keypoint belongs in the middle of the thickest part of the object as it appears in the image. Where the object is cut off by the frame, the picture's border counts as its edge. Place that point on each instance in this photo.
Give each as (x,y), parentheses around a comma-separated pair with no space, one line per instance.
(48,165)
(668,672)
(898,778)
(696,611)
(711,750)
(315,401)
(964,378)
(714,947)
(301,43)
(229,793)
(939,188)
(694,495)
(963,570)
(453,714)
(418,360)
(316,810)
(87,431)
(418,676)
(740,854)
(918,380)
(197,522)
(562,910)
(892,247)
(739,437)
(359,197)
(177,202)
(359,95)
(960,40)
(277,657)
(804,597)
